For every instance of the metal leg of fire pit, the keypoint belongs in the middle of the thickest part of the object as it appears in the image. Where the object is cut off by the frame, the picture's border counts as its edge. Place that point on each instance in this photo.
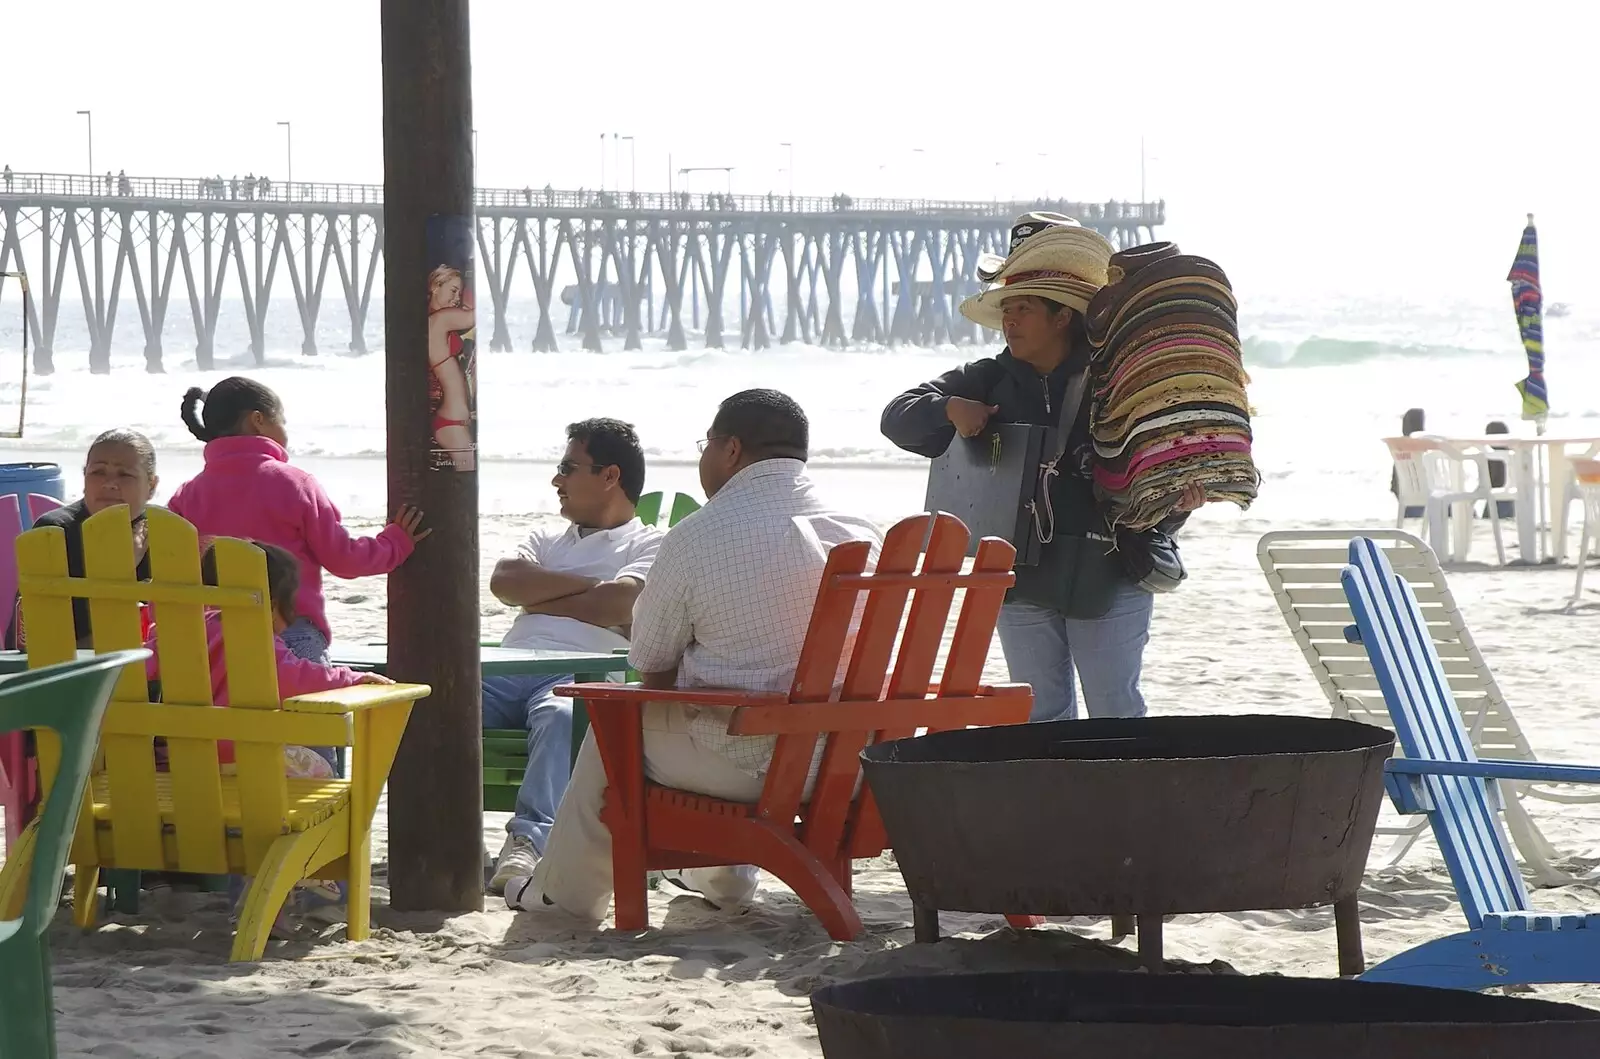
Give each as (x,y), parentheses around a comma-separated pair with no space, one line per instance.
(1121,927)
(1150,943)
(1347,926)
(924,922)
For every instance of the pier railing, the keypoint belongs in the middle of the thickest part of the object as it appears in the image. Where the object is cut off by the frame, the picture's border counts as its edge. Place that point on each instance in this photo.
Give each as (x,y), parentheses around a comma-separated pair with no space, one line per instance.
(317,193)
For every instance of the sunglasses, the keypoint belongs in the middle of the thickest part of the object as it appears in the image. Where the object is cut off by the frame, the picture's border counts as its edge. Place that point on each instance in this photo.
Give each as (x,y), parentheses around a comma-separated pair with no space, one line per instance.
(566,468)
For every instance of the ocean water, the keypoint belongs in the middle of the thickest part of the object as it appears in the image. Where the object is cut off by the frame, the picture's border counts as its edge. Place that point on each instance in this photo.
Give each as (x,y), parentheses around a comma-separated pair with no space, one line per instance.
(1329,378)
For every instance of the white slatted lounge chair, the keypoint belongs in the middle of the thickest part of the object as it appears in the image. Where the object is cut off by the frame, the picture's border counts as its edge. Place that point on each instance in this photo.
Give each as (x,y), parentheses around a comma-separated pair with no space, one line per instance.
(1303,567)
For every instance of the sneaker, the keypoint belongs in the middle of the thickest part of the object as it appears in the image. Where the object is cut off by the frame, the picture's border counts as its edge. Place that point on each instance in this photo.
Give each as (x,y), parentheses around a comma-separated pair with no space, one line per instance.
(733,890)
(523,896)
(319,901)
(517,859)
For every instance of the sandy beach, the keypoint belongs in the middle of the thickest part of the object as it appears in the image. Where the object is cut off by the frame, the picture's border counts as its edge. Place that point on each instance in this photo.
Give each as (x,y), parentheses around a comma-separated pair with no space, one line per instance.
(702,982)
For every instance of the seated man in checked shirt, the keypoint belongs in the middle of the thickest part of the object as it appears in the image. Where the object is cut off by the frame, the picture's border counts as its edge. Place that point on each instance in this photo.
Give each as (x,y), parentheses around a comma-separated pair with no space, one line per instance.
(727,604)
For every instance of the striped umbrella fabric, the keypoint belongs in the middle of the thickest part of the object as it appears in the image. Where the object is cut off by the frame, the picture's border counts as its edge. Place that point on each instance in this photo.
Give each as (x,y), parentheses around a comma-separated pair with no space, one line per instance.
(1528,301)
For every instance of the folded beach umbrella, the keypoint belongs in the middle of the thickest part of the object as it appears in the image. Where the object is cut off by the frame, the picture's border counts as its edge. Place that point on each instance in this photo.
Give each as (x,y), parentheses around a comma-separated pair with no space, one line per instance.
(1528,301)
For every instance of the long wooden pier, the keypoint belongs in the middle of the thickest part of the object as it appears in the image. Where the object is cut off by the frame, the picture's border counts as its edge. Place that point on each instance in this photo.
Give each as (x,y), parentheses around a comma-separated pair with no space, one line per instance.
(599,265)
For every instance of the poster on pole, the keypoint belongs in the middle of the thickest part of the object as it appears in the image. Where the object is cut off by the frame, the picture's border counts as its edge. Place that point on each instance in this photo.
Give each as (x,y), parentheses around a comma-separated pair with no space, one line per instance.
(452,345)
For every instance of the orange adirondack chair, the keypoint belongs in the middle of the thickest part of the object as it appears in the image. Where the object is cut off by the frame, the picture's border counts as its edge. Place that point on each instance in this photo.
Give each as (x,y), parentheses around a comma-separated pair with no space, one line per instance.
(810,845)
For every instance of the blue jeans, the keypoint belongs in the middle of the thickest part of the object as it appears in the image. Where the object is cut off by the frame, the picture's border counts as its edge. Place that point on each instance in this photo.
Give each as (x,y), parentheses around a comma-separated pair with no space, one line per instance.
(305,640)
(525,702)
(1043,648)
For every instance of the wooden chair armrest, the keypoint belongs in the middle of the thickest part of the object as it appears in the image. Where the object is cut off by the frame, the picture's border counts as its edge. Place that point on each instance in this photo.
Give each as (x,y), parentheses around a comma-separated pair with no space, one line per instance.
(987,690)
(802,718)
(638,693)
(359,697)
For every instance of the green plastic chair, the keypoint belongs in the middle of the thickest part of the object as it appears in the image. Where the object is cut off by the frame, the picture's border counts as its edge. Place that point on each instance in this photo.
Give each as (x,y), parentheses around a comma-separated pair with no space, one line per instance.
(649,508)
(71,699)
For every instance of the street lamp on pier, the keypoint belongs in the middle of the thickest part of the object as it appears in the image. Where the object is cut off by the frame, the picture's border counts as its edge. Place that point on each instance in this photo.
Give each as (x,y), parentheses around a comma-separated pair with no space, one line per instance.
(726,169)
(288,151)
(90,116)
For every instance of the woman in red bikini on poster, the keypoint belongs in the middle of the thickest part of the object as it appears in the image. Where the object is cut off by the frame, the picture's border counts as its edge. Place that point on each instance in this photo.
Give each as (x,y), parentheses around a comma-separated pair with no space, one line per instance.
(451,326)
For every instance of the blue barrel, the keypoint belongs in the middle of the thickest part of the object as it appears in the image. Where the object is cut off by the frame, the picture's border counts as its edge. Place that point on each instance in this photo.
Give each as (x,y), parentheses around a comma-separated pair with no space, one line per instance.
(20,479)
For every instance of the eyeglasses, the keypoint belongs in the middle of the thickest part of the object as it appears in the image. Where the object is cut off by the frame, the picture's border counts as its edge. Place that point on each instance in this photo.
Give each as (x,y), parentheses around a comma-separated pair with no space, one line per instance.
(565,468)
(703,442)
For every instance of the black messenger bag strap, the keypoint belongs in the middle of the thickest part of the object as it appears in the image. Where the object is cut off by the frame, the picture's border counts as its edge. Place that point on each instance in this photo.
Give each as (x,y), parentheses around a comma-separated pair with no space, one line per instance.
(1071,403)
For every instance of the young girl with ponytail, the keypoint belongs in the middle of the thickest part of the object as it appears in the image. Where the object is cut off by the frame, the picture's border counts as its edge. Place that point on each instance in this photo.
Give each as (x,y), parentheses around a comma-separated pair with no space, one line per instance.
(249,489)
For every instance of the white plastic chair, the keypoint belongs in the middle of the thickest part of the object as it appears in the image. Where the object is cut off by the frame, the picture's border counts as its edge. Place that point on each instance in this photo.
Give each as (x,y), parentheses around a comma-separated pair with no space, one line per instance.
(1303,567)
(1574,490)
(1431,474)
(1586,480)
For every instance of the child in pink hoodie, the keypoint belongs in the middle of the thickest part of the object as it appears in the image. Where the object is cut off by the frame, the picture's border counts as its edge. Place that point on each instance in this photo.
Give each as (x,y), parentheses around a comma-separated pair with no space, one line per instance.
(249,489)
(296,676)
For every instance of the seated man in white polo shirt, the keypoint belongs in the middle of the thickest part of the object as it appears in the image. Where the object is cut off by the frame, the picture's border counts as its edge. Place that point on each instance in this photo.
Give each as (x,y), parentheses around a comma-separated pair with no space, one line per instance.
(576,585)
(727,605)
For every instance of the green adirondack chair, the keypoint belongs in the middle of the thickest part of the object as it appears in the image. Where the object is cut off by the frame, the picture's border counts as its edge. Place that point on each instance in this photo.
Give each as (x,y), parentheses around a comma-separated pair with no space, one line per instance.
(69,699)
(649,508)
(505,750)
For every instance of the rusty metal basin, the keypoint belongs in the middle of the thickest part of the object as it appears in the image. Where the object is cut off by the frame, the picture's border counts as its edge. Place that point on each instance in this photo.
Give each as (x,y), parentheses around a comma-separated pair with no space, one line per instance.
(1039,1014)
(1135,817)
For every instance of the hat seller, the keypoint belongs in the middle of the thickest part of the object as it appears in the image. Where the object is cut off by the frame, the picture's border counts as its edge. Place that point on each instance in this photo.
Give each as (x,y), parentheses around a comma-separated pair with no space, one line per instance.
(1084,607)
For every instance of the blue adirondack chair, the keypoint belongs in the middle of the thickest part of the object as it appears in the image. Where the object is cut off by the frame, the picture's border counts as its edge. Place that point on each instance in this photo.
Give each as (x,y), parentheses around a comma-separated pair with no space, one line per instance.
(1507,942)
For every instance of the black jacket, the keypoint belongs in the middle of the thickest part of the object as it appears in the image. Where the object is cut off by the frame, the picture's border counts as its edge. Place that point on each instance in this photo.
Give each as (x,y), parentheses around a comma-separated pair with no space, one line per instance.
(1078,572)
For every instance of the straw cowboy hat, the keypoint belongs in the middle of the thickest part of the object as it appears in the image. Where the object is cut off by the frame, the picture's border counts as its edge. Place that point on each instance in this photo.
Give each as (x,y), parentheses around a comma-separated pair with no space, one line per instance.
(1051,256)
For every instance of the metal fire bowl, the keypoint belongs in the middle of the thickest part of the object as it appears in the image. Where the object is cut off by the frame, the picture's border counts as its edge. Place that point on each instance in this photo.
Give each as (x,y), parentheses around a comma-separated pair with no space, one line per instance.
(1146,816)
(1039,1014)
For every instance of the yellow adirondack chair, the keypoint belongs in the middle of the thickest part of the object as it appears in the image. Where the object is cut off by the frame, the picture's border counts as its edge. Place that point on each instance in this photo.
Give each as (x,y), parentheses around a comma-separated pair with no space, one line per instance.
(192,817)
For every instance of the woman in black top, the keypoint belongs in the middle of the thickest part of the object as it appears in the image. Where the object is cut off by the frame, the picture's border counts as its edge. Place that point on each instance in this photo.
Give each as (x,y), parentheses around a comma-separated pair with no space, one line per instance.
(120,469)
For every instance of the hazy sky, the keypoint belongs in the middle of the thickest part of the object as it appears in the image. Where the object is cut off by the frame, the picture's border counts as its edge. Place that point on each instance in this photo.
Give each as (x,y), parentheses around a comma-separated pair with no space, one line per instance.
(1310,148)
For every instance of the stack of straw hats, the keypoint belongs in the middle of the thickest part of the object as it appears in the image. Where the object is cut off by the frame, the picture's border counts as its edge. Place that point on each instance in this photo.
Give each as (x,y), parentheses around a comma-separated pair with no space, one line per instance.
(1051,256)
(1169,407)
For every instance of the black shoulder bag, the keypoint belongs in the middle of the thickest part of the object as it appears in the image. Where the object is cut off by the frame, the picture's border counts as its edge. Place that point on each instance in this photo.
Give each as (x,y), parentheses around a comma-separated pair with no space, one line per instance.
(1150,558)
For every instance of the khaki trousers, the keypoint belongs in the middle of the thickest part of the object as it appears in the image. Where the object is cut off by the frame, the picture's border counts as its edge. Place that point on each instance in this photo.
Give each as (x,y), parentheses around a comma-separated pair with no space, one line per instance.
(575,871)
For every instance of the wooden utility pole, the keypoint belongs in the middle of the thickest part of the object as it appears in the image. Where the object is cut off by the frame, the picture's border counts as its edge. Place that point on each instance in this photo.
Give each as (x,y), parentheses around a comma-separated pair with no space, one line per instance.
(435,789)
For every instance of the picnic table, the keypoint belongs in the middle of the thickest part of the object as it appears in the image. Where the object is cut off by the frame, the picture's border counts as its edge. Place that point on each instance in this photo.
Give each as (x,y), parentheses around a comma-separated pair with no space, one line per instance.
(506,662)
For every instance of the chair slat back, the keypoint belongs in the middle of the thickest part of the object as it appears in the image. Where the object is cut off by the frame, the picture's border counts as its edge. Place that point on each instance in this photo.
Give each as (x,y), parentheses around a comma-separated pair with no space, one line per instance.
(683,505)
(1295,561)
(983,592)
(822,655)
(648,509)
(37,505)
(875,646)
(1464,818)
(10,530)
(920,563)
(198,840)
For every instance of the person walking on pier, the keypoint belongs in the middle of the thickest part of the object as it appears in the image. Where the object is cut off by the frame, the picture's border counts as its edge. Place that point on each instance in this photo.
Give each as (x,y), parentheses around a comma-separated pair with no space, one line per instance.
(8,179)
